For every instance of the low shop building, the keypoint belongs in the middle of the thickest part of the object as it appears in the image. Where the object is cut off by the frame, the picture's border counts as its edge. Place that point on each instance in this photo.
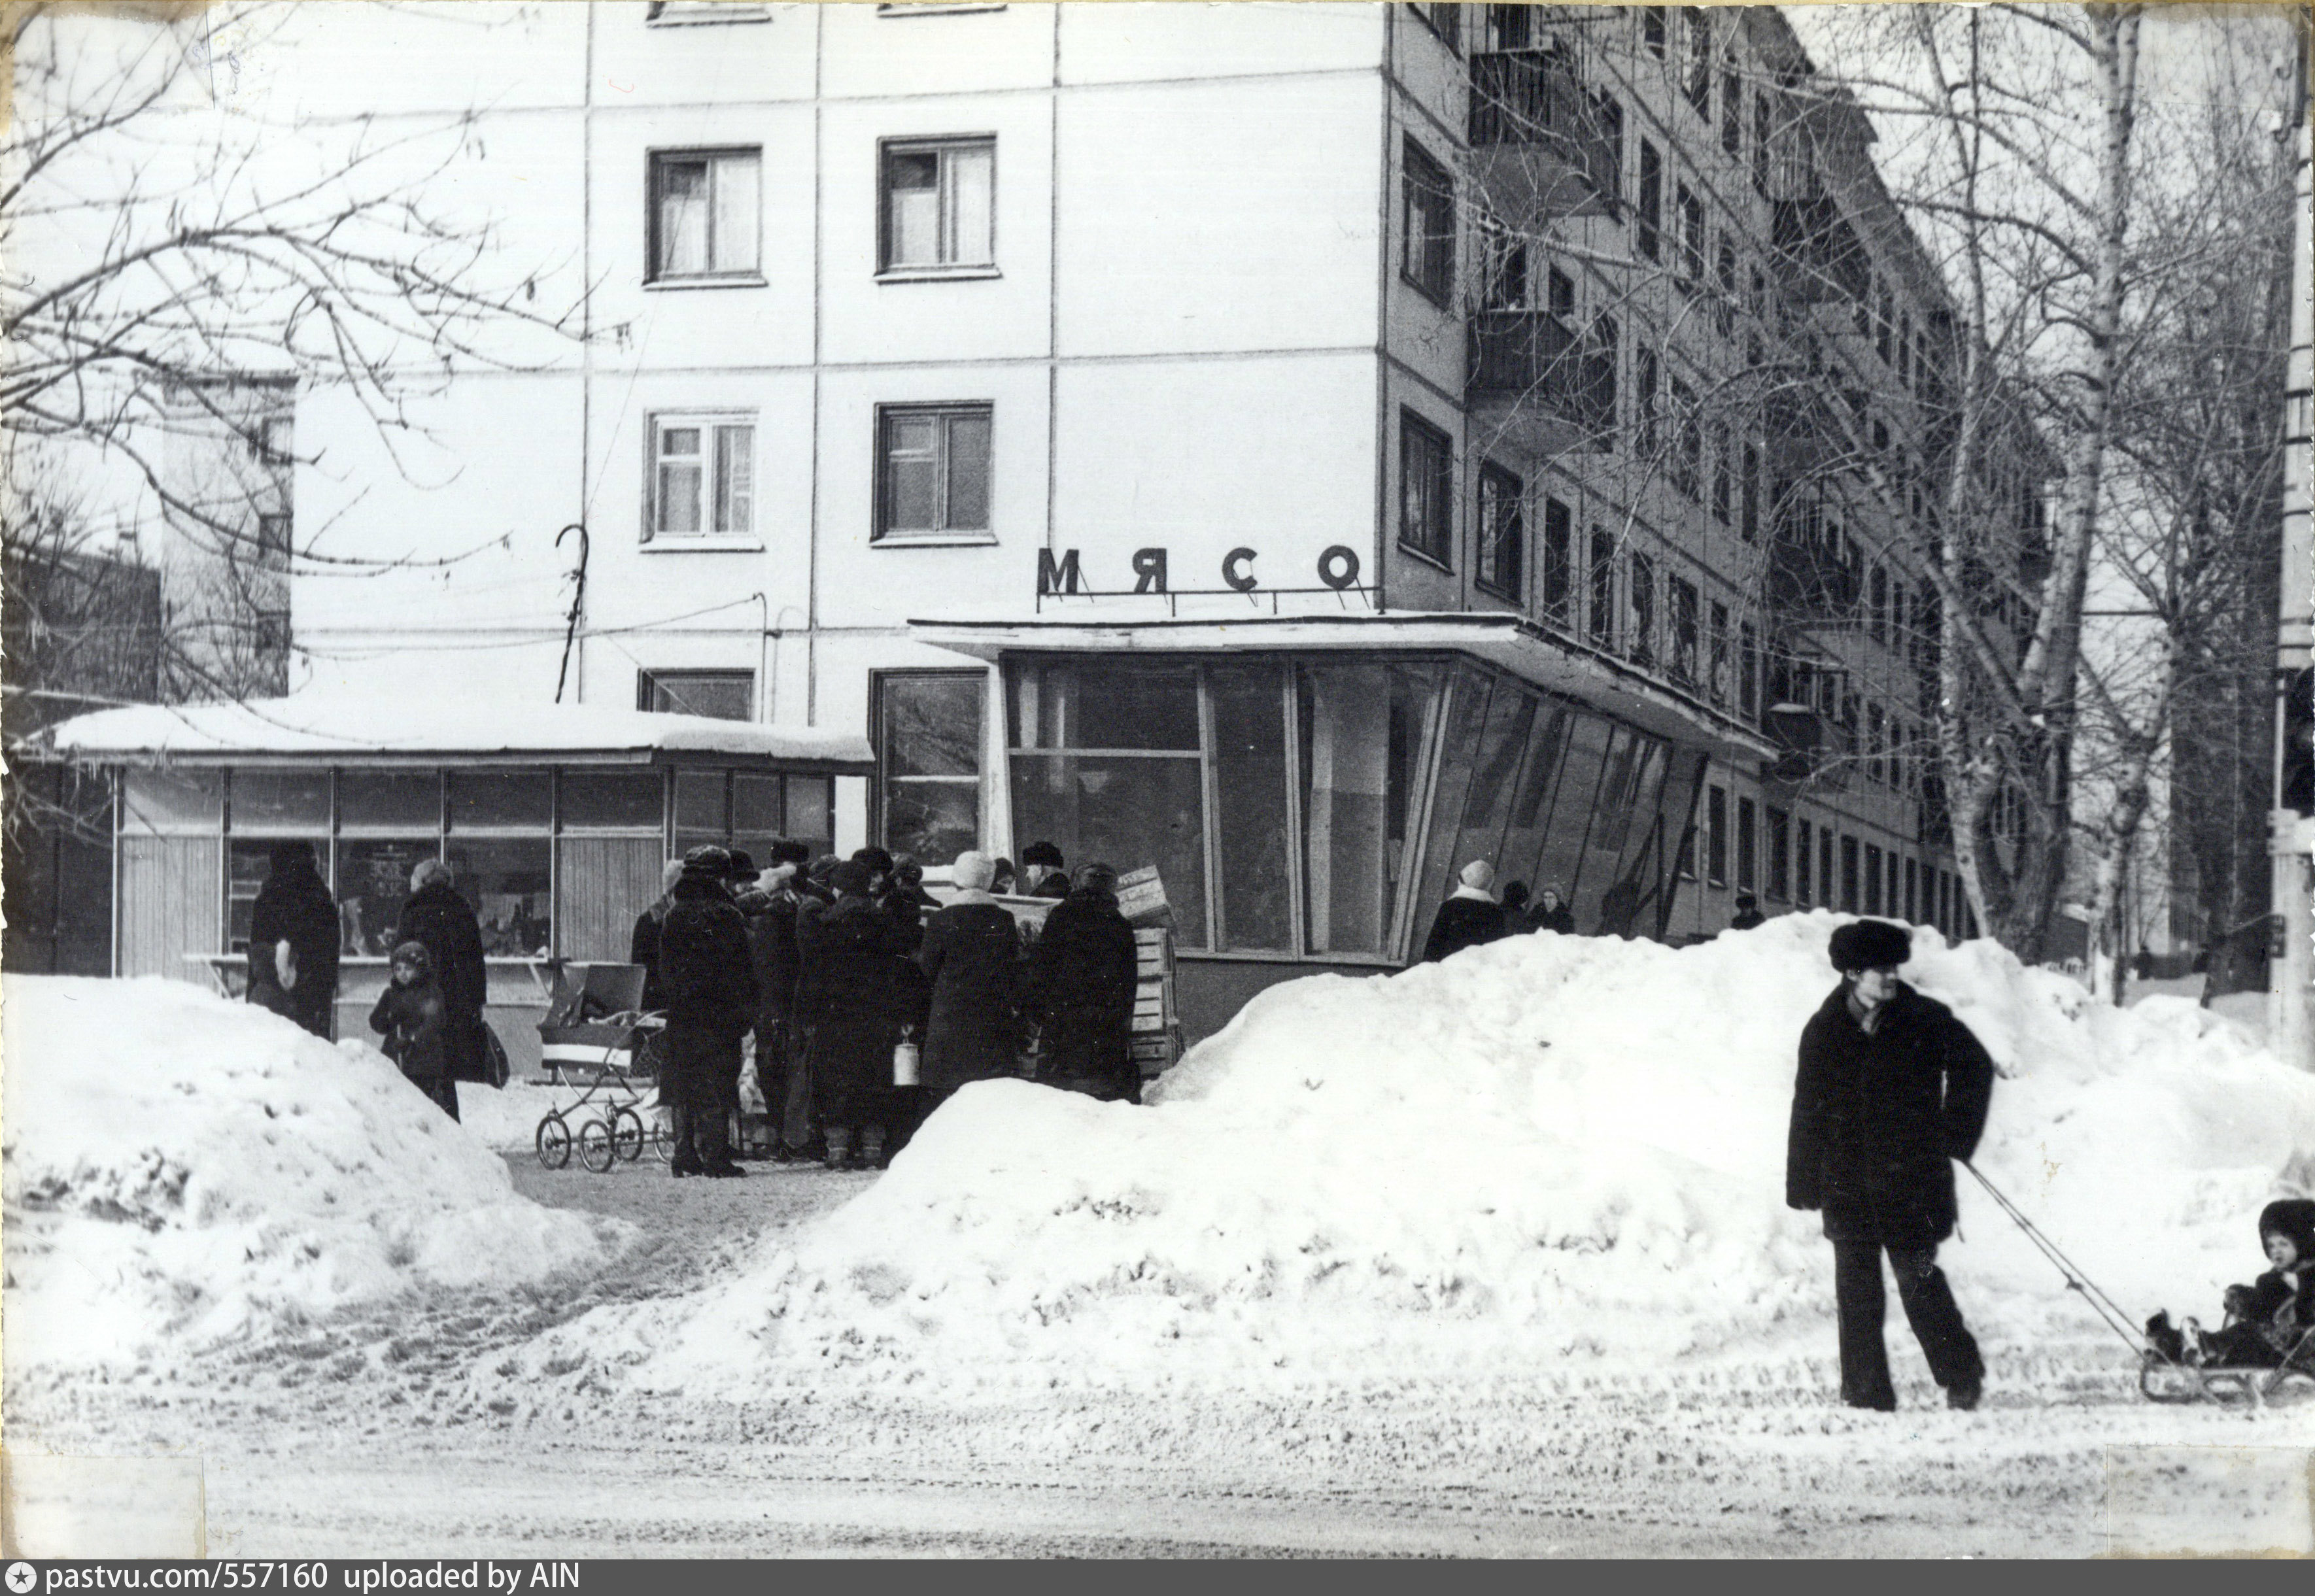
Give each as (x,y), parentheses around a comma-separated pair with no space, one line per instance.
(556,821)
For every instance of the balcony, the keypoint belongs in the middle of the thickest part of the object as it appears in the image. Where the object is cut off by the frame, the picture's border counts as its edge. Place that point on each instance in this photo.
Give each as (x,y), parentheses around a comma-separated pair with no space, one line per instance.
(1543,145)
(1813,235)
(1549,389)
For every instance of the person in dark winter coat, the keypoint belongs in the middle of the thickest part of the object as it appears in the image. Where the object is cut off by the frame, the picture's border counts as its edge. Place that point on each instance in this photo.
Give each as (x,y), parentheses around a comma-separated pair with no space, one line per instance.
(1892,1088)
(1552,913)
(971,960)
(435,915)
(1043,874)
(293,940)
(413,1019)
(1748,913)
(1082,976)
(1469,917)
(643,945)
(710,979)
(1517,915)
(1003,883)
(846,999)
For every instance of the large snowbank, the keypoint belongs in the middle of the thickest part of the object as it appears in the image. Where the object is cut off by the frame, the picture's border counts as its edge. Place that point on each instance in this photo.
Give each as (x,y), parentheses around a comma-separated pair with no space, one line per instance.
(179,1169)
(1551,1150)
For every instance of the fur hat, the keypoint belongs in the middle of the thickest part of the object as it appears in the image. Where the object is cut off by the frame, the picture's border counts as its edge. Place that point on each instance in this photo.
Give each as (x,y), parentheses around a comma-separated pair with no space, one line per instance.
(1097,877)
(851,877)
(788,851)
(2292,1218)
(1870,945)
(413,953)
(875,858)
(743,864)
(1042,854)
(708,859)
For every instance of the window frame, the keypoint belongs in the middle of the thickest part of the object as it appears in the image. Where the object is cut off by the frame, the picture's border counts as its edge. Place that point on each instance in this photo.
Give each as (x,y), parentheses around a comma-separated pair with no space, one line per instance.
(709,424)
(880,685)
(942,147)
(1416,428)
(650,681)
(655,162)
(1498,577)
(1715,836)
(881,533)
(695,13)
(1425,179)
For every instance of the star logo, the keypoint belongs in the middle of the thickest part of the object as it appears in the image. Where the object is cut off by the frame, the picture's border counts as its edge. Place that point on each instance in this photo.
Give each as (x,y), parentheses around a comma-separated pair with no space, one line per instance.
(21,1577)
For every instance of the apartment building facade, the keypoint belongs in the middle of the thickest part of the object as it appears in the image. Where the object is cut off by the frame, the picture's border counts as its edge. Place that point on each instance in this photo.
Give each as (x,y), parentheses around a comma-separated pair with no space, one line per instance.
(1302,448)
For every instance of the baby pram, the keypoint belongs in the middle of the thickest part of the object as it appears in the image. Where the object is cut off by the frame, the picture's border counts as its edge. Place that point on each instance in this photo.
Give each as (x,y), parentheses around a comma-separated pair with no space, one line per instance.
(597,1040)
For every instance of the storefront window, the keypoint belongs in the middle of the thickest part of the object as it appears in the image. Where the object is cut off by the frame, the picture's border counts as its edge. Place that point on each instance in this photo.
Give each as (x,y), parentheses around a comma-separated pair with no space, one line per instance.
(164,800)
(504,881)
(612,800)
(1511,716)
(1523,839)
(1252,863)
(391,800)
(1571,814)
(699,814)
(281,800)
(373,882)
(1464,725)
(811,812)
(1101,705)
(1364,731)
(491,798)
(928,738)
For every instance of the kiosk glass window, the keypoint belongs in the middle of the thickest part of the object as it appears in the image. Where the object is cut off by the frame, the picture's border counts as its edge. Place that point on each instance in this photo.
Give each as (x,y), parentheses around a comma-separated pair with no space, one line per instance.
(1523,838)
(1252,866)
(613,800)
(700,816)
(928,741)
(286,802)
(1561,861)
(1364,731)
(389,800)
(501,858)
(373,884)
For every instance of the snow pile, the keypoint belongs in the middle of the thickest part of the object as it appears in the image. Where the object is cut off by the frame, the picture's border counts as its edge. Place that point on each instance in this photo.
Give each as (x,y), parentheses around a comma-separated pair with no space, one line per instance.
(180,1169)
(1551,1149)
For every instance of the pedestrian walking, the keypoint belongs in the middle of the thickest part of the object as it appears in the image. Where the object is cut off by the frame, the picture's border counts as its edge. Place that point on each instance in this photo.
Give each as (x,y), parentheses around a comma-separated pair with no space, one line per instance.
(293,940)
(971,961)
(1552,913)
(643,945)
(436,916)
(846,995)
(412,1017)
(1469,917)
(1891,1089)
(1082,977)
(710,979)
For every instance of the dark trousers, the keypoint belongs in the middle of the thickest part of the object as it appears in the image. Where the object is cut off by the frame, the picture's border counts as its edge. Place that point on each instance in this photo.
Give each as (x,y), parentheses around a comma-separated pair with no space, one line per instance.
(1929,1309)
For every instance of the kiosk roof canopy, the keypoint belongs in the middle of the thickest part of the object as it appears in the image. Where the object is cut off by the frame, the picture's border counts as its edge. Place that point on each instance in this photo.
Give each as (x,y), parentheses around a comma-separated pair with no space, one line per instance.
(344,729)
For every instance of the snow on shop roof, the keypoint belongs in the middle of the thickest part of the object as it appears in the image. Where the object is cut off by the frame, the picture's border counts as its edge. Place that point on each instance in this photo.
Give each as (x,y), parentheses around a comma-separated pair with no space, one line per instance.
(180,1169)
(326,725)
(1550,1153)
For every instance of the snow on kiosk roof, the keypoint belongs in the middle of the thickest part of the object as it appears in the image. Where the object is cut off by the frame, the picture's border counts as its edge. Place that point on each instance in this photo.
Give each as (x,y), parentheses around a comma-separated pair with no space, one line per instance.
(332,728)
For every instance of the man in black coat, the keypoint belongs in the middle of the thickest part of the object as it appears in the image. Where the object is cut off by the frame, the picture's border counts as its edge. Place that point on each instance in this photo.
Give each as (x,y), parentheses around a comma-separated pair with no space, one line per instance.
(293,940)
(1469,917)
(435,915)
(972,959)
(846,999)
(1082,976)
(710,979)
(1892,1088)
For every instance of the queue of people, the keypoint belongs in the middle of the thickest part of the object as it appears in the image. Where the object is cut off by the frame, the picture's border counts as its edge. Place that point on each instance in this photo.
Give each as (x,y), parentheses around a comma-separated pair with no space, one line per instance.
(834,965)
(1475,914)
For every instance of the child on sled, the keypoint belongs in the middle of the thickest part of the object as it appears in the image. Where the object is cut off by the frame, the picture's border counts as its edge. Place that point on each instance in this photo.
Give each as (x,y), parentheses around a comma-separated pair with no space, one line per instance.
(2269,1322)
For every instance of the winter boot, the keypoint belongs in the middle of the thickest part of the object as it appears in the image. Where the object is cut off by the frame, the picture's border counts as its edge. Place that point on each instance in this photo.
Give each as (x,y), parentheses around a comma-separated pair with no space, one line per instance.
(1963,1395)
(2164,1340)
(840,1142)
(871,1147)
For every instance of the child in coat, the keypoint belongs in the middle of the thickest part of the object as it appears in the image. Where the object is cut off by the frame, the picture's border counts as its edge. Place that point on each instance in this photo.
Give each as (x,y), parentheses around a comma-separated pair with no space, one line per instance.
(410,1017)
(2272,1320)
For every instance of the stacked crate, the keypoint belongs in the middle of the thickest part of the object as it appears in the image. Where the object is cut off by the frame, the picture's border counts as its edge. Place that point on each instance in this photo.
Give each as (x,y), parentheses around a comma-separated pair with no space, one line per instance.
(1156,1026)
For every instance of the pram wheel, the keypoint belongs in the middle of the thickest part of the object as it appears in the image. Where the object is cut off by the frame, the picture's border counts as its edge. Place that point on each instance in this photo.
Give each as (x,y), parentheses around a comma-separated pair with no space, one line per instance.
(553,1142)
(662,1137)
(627,1135)
(596,1152)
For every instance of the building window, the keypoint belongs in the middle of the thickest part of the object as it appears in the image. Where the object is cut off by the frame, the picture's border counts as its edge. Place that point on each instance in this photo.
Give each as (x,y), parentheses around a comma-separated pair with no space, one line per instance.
(1558,563)
(1748,671)
(1872,879)
(1723,474)
(1874,733)
(718,695)
(1780,853)
(940,205)
(703,476)
(928,743)
(1848,872)
(1604,590)
(1747,870)
(1444,20)
(1716,836)
(1691,240)
(1685,625)
(1640,594)
(1912,893)
(1427,233)
(932,470)
(1698,86)
(1651,206)
(1687,464)
(1877,613)
(705,210)
(1748,496)
(1803,858)
(272,441)
(1498,562)
(1732,105)
(1646,383)
(1717,641)
(1652,30)
(1426,489)
(1724,302)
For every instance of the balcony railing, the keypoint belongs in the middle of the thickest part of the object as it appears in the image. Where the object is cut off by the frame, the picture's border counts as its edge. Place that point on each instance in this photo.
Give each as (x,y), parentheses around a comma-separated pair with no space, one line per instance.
(1532,97)
(1531,356)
